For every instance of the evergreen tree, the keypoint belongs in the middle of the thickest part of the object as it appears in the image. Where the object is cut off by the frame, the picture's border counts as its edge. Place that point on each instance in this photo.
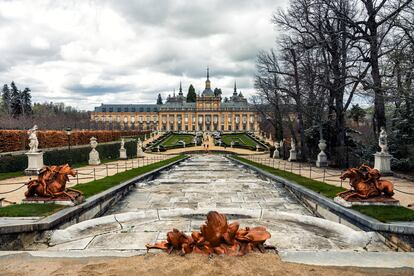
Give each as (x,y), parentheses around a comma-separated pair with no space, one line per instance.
(26,102)
(217,92)
(6,99)
(356,113)
(159,99)
(16,103)
(191,95)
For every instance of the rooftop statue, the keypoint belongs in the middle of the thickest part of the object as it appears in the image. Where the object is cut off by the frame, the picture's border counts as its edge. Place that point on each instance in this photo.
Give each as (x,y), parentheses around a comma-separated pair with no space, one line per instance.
(366,183)
(51,183)
(216,236)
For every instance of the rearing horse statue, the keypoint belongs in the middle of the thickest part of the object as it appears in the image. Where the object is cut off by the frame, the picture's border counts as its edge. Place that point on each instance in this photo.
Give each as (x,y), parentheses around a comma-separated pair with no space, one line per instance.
(365,183)
(51,182)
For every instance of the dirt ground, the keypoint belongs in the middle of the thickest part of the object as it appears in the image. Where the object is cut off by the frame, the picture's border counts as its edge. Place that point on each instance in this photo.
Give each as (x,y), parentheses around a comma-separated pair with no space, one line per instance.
(163,264)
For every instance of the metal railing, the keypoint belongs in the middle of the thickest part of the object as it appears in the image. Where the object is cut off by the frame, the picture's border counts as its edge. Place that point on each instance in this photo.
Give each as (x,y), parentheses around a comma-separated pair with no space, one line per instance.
(100,171)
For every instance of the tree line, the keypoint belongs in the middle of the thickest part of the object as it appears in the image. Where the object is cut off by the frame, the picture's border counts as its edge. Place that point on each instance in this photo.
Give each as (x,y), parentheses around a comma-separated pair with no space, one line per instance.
(331,54)
(18,112)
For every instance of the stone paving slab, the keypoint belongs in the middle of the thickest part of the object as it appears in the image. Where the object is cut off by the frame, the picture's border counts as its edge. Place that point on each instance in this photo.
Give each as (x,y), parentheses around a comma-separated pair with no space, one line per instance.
(350,258)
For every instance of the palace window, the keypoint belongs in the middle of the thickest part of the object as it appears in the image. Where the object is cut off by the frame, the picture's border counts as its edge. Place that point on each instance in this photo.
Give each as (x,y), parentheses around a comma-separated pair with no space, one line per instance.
(141,109)
(148,109)
(148,119)
(132,109)
(126,109)
(125,119)
(118,119)
(119,109)
(103,109)
(111,109)
(140,119)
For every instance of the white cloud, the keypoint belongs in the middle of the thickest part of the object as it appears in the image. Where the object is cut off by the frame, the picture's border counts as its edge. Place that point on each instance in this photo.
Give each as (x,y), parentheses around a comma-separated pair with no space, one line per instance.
(88,52)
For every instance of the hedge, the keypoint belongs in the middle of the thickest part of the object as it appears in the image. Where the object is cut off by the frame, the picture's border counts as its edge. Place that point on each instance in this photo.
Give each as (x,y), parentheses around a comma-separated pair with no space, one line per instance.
(15,140)
(13,163)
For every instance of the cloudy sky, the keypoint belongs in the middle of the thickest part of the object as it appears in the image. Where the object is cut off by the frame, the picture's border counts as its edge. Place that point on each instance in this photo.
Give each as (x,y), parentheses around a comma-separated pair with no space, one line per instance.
(89,52)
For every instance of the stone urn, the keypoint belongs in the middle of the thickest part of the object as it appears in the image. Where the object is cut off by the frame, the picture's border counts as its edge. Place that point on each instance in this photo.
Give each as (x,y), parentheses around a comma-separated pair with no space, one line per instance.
(322,160)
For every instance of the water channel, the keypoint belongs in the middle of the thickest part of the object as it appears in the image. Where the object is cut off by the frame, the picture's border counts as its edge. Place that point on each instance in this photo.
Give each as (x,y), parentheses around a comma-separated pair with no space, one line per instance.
(180,198)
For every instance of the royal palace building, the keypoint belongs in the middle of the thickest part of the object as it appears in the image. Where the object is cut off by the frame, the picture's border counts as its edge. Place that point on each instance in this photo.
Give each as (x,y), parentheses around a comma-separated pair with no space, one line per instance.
(207,113)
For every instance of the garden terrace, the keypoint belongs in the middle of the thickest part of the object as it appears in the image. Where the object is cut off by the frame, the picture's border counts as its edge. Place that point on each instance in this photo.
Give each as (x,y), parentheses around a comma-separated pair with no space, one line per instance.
(242,140)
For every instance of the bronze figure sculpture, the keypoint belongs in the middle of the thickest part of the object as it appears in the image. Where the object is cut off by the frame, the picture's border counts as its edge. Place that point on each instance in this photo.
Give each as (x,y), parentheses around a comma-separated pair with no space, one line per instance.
(51,183)
(366,183)
(216,236)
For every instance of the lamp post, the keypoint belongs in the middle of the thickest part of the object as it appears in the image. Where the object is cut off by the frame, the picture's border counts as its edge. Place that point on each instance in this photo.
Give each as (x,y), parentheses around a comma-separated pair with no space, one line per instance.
(68,133)
(347,138)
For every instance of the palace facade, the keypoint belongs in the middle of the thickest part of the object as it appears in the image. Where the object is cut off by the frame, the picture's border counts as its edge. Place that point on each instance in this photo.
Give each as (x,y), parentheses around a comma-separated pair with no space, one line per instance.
(207,113)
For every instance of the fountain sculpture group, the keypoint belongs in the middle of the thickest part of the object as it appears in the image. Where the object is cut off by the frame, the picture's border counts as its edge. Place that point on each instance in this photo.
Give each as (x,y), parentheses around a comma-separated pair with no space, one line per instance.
(216,236)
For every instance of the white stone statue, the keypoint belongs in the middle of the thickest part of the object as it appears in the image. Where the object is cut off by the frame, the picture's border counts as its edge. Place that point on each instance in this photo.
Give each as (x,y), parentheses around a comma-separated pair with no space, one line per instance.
(292,144)
(140,152)
(292,151)
(35,157)
(382,161)
(383,141)
(122,143)
(195,140)
(34,143)
(122,150)
(94,154)
(231,144)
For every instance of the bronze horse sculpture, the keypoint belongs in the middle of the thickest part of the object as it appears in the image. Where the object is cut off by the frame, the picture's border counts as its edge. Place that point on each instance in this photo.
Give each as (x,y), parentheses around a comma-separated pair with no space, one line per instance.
(366,183)
(51,182)
(216,236)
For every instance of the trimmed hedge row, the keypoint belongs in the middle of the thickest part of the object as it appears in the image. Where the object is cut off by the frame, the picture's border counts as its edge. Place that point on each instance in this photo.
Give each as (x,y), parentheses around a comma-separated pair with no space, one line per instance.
(13,163)
(15,140)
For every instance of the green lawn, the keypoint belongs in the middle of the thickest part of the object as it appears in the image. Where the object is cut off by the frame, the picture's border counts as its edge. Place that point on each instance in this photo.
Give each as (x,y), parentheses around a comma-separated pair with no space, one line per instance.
(314,185)
(173,139)
(242,138)
(89,189)
(381,213)
(30,210)
(8,175)
(100,185)
(387,213)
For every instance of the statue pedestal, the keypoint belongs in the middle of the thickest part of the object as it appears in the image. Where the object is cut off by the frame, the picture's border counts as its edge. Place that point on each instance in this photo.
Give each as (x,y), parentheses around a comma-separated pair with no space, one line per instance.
(376,201)
(35,163)
(140,153)
(292,155)
(322,160)
(276,154)
(56,200)
(122,154)
(383,163)
(94,157)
